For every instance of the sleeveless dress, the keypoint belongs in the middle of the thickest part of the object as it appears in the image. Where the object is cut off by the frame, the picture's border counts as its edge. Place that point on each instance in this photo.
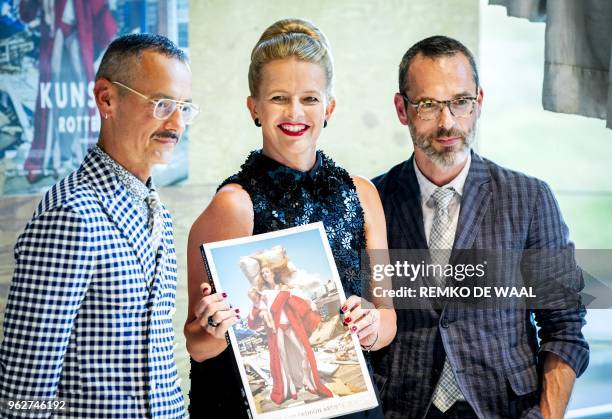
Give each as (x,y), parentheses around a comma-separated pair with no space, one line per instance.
(283,197)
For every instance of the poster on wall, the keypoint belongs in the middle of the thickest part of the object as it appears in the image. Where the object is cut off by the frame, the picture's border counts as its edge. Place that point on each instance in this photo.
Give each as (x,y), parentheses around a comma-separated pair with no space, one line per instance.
(294,356)
(49,53)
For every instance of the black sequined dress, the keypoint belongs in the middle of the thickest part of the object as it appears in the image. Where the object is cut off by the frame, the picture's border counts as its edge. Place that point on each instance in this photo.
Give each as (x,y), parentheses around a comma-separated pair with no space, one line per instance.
(283,197)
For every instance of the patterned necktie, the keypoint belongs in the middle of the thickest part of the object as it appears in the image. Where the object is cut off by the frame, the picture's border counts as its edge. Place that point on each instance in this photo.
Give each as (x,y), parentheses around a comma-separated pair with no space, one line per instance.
(441,236)
(156,221)
(441,239)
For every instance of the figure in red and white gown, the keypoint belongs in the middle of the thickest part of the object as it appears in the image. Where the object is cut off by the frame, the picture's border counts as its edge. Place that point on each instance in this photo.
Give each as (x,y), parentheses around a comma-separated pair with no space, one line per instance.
(292,361)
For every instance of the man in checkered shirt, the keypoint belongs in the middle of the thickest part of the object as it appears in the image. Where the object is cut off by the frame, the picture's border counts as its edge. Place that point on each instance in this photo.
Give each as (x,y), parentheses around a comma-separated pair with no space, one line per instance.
(89,314)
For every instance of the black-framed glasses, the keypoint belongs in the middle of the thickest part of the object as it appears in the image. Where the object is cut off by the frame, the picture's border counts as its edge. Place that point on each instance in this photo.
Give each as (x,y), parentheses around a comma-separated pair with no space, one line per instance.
(164,107)
(429,109)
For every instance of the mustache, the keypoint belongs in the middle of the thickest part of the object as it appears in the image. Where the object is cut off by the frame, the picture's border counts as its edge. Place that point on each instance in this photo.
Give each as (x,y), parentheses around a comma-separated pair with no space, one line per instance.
(453,132)
(166,134)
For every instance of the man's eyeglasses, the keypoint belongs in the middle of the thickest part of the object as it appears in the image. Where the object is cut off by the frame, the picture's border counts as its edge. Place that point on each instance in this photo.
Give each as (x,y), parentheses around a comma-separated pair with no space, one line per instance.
(166,107)
(429,109)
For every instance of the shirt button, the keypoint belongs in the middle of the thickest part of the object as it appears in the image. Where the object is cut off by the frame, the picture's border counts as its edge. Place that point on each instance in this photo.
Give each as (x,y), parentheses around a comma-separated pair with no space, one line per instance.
(444,322)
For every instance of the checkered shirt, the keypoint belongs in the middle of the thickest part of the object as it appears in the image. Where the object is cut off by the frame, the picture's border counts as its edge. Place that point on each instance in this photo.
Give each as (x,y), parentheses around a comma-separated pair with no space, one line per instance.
(136,189)
(89,313)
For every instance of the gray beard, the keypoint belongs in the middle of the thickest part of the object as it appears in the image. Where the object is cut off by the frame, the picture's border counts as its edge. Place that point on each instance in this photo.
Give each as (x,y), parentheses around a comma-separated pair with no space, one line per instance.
(447,157)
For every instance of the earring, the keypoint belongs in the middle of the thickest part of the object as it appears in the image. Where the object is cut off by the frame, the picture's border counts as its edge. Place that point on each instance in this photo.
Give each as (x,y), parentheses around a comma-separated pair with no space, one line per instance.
(257,123)
(325,124)
(105,116)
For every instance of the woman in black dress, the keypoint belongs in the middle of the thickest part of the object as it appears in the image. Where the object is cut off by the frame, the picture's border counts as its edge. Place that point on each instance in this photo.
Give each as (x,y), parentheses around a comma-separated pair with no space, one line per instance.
(286,183)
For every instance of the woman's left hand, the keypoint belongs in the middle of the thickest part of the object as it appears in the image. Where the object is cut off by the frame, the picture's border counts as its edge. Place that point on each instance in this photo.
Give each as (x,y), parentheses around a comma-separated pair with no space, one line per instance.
(362,318)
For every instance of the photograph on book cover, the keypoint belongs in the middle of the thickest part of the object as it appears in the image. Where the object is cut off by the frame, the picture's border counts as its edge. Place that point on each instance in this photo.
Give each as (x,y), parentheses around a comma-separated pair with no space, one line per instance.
(295,358)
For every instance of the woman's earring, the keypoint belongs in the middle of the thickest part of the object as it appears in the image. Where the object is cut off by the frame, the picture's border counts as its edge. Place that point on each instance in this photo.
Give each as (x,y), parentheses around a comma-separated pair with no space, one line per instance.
(325,124)
(257,123)
(105,116)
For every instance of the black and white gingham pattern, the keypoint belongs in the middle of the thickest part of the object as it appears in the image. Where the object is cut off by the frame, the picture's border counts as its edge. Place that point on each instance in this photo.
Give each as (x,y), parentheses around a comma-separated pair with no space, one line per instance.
(156,220)
(440,240)
(137,190)
(89,313)
(494,352)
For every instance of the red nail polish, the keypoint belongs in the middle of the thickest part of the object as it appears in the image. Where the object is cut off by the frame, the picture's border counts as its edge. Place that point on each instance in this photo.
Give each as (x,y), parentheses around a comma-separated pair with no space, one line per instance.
(224,295)
(344,308)
(347,320)
(237,310)
(354,329)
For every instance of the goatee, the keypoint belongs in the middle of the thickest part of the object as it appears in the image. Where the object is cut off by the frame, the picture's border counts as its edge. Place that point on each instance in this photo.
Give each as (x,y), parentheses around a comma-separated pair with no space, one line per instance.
(447,156)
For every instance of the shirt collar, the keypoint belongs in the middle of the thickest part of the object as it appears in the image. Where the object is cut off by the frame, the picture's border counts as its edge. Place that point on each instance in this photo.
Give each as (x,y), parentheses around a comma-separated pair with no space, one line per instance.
(427,187)
(137,190)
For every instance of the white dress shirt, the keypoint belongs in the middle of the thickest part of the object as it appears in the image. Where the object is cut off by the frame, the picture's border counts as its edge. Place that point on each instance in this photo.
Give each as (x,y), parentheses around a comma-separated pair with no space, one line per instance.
(427,189)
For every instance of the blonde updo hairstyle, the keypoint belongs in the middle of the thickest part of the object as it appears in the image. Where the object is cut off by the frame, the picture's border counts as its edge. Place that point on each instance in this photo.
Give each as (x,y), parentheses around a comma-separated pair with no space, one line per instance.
(291,38)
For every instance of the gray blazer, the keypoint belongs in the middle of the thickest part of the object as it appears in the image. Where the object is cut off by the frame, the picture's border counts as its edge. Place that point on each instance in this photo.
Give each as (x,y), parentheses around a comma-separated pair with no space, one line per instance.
(495,355)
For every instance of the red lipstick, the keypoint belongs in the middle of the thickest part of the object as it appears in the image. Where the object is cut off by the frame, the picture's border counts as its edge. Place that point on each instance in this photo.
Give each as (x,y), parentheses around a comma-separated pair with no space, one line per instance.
(292,129)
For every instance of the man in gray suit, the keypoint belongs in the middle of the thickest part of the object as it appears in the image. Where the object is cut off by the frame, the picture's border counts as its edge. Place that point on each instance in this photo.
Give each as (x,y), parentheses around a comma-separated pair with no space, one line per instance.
(455,362)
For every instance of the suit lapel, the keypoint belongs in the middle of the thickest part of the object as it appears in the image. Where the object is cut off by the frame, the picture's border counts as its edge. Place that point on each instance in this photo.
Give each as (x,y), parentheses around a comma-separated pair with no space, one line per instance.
(118,206)
(474,203)
(407,201)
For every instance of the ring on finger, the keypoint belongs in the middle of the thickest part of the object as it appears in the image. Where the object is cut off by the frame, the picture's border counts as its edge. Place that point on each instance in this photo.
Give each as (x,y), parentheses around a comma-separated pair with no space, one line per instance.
(212,322)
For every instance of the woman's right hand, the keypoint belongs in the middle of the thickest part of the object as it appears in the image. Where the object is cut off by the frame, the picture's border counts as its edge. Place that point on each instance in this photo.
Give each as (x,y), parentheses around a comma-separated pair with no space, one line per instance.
(215,307)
